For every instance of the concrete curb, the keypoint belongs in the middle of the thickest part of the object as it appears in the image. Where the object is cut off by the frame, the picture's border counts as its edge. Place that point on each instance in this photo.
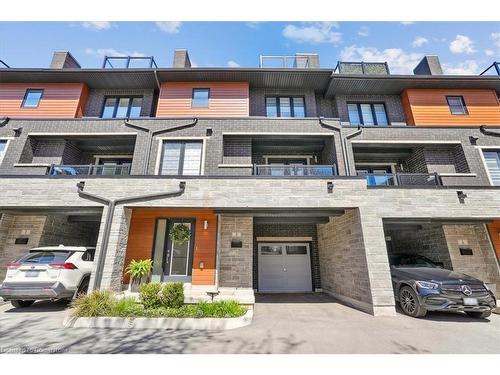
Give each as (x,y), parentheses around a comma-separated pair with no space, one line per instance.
(203,324)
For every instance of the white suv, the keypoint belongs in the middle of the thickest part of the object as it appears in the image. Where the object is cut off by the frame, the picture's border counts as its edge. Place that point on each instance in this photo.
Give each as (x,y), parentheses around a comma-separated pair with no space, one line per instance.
(55,272)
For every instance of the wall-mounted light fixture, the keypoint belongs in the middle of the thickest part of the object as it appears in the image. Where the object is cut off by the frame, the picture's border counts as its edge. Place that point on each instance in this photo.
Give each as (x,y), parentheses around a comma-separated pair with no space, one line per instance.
(205,224)
(209,132)
(329,187)
(461,196)
(201,265)
(473,140)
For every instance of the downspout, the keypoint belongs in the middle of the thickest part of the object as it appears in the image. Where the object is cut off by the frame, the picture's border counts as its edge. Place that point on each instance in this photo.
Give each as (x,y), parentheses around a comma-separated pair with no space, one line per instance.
(112,203)
(339,129)
(152,134)
(355,134)
(483,130)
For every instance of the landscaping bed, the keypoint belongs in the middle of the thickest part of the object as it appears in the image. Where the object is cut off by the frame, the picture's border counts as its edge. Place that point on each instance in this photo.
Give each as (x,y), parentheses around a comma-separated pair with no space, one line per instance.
(159,306)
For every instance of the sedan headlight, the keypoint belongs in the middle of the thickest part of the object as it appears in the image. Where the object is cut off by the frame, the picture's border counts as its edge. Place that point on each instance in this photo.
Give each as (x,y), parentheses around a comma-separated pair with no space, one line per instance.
(426,285)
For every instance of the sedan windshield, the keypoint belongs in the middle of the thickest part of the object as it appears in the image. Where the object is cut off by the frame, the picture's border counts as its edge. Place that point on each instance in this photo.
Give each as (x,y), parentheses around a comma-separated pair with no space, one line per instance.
(411,261)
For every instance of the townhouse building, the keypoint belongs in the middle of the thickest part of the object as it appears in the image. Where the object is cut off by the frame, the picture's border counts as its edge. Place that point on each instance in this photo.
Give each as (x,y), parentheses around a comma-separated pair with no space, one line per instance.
(290,177)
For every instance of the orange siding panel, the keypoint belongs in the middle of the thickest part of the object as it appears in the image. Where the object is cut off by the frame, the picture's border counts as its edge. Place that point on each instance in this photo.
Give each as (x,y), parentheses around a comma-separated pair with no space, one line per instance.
(494,229)
(227,99)
(141,237)
(429,107)
(59,100)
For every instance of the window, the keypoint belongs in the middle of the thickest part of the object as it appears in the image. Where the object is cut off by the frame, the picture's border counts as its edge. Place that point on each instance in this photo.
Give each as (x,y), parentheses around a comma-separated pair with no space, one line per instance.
(367,114)
(3,148)
(285,106)
(121,107)
(32,98)
(200,98)
(181,158)
(457,105)
(492,160)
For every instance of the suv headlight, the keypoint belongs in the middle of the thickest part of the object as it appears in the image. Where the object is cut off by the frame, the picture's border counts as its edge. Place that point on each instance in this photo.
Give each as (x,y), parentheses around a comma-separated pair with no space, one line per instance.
(426,285)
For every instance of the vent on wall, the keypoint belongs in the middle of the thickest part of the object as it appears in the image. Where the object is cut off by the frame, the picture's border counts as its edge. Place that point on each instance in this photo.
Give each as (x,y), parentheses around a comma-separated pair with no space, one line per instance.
(21,241)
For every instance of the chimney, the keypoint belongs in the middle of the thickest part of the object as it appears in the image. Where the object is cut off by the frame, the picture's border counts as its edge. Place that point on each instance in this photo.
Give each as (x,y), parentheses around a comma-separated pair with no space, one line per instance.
(64,60)
(181,59)
(429,65)
(306,60)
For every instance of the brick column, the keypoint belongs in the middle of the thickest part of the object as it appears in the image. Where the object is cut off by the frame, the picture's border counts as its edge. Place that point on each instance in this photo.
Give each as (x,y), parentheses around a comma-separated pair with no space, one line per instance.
(117,246)
(235,264)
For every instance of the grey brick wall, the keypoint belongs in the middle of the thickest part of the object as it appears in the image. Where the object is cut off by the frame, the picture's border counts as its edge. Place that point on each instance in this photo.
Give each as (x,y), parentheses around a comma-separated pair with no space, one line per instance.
(342,258)
(95,101)
(235,264)
(393,105)
(288,230)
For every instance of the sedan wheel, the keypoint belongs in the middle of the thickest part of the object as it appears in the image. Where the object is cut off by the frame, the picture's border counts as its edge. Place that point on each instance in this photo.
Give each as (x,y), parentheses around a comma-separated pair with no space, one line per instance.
(410,304)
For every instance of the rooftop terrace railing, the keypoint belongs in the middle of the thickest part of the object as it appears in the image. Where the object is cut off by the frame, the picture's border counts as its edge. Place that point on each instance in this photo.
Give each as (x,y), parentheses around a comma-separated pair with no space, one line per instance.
(361,67)
(89,170)
(283,61)
(120,62)
(493,69)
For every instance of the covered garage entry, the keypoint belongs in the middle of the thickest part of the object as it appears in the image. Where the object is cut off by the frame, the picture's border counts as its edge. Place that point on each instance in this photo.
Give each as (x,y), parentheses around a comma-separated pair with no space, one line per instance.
(460,246)
(23,229)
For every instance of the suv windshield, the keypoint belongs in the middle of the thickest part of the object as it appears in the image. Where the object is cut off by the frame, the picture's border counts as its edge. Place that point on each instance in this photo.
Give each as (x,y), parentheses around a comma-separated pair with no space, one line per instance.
(44,257)
(411,261)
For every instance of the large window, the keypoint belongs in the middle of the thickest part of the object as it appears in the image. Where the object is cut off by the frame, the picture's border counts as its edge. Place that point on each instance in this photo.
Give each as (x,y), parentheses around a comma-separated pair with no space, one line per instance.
(32,98)
(121,107)
(285,106)
(367,114)
(3,147)
(492,159)
(200,98)
(181,158)
(457,105)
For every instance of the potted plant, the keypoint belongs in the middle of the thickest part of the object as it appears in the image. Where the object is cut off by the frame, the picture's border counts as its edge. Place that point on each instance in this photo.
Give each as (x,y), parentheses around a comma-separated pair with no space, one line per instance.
(180,234)
(139,271)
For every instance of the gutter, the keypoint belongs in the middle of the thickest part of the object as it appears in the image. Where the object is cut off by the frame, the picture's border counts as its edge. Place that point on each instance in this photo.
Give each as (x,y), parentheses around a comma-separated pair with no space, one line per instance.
(483,130)
(112,203)
(152,134)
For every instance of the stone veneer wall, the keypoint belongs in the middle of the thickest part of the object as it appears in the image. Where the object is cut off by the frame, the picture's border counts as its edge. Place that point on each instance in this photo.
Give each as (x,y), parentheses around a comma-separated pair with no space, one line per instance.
(235,264)
(342,258)
(483,263)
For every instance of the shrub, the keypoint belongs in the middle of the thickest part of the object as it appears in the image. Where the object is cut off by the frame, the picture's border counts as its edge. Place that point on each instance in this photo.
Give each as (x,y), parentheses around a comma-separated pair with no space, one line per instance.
(126,307)
(221,309)
(172,295)
(97,303)
(151,296)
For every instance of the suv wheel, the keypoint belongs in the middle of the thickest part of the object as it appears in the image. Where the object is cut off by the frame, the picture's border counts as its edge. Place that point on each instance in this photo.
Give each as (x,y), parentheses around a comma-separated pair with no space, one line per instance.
(409,303)
(478,314)
(84,286)
(18,303)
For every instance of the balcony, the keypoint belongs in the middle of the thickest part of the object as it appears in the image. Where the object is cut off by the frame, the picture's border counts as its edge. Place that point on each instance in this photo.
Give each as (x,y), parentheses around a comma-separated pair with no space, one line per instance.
(295,170)
(361,67)
(402,179)
(89,170)
(298,60)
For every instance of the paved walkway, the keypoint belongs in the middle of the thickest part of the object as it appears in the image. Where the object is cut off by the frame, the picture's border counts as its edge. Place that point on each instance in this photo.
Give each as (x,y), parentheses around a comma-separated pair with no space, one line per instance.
(304,323)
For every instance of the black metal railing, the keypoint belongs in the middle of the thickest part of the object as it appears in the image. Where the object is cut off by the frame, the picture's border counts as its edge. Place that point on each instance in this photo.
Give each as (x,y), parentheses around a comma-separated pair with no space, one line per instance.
(89,170)
(402,179)
(295,170)
(493,69)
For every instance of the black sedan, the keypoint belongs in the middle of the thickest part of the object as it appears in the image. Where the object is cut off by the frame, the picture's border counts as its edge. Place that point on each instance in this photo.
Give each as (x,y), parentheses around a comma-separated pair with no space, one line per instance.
(421,285)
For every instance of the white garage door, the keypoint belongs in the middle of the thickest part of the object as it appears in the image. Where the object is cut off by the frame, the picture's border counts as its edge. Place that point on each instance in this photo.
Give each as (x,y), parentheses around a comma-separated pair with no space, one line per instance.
(284,267)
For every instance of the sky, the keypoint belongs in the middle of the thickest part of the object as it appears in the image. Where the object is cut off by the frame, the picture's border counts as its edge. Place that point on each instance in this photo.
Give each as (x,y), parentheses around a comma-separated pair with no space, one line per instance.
(463,47)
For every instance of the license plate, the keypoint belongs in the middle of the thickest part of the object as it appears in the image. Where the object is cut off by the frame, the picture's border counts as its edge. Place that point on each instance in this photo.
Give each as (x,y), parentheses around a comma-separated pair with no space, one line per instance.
(32,273)
(470,302)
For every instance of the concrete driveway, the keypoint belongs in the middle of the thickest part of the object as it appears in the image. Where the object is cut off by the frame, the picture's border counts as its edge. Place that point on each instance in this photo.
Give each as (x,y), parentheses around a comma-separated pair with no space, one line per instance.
(304,323)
